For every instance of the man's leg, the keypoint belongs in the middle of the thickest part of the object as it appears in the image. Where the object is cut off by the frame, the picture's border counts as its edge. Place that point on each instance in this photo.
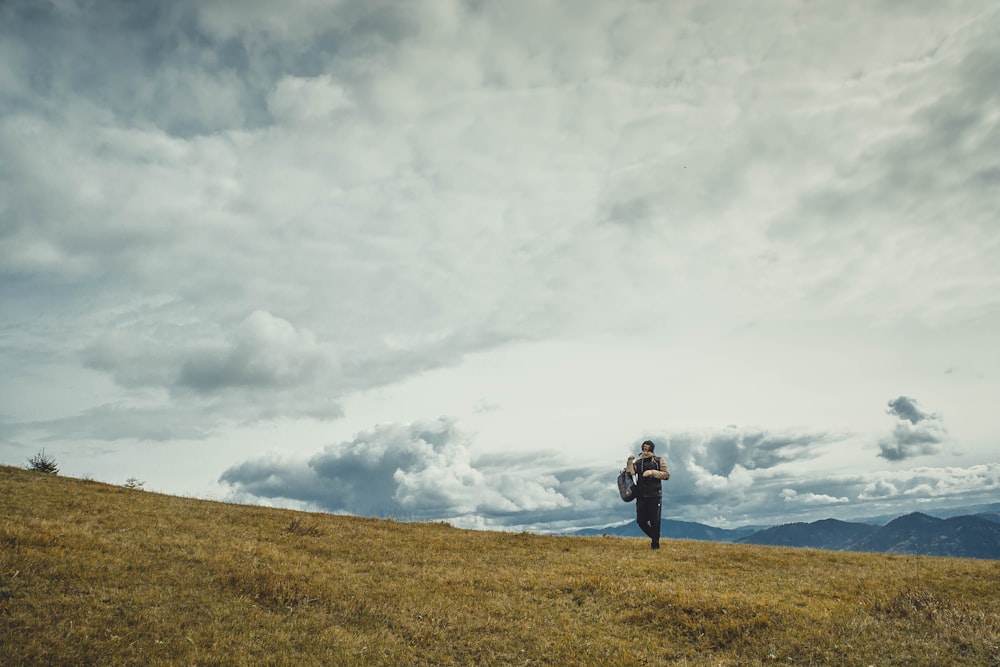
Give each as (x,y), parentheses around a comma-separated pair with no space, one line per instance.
(654,533)
(647,515)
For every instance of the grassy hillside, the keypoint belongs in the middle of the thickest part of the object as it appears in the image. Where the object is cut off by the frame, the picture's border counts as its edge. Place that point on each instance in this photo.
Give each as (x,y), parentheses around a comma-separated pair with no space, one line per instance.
(92,574)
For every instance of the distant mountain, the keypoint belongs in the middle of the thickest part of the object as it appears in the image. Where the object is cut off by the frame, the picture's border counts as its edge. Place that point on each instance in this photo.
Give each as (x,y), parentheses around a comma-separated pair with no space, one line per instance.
(826,534)
(669,528)
(990,508)
(987,510)
(966,536)
(961,536)
(918,534)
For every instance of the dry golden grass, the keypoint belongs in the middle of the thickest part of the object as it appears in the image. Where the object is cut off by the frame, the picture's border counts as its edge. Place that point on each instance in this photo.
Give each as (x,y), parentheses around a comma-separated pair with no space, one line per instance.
(92,574)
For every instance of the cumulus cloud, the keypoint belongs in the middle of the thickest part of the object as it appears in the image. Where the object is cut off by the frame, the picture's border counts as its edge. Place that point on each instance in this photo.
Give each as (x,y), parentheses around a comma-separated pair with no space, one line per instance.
(745,475)
(878,488)
(738,473)
(262,351)
(793,496)
(719,460)
(906,408)
(973,484)
(917,432)
(423,470)
(185,379)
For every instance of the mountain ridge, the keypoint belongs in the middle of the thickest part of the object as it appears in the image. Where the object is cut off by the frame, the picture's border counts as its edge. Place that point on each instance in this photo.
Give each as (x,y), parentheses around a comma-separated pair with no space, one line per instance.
(963,536)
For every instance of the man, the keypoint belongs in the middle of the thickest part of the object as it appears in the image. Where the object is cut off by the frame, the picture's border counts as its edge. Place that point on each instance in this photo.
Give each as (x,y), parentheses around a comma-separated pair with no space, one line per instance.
(650,472)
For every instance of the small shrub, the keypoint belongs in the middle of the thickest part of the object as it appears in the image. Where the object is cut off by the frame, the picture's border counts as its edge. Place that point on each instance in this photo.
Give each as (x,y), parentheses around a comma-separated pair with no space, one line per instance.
(134,483)
(41,462)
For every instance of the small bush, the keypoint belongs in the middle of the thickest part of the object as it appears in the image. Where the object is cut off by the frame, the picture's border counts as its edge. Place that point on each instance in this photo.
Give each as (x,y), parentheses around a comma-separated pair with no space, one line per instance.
(41,462)
(134,483)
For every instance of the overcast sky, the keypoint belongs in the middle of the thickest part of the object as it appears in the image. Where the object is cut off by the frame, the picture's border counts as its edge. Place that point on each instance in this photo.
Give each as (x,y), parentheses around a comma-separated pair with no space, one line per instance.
(453,261)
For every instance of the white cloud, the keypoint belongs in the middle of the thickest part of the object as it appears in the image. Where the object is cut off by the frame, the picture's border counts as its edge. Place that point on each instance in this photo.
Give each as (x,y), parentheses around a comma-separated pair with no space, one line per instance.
(262,351)
(793,496)
(419,470)
(188,380)
(426,471)
(916,432)
(878,488)
(297,99)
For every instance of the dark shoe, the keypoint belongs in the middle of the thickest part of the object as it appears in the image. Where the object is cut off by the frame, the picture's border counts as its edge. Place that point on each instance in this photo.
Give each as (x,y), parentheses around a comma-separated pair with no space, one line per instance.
(655,545)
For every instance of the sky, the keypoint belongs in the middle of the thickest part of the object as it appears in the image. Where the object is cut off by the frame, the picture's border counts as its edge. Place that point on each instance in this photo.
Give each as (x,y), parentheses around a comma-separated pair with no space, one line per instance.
(453,260)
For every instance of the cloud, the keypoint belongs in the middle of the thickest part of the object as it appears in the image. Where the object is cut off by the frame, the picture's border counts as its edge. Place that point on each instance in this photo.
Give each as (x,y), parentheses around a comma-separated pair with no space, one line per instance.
(734,451)
(351,154)
(906,408)
(879,488)
(262,352)
(917,433)
(928,158)
(977,483)
(739,473)
(132,421)
(420,471)
(186,380)
(299,99)
(426,471)
(793,496)
(737,476)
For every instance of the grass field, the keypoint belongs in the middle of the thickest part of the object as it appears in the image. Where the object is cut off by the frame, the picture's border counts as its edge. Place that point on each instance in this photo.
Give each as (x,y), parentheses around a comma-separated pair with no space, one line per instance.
(92,574)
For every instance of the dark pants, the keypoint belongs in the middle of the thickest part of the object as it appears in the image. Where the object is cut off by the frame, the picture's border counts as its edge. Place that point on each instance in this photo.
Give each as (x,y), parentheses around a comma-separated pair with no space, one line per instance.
(647,515)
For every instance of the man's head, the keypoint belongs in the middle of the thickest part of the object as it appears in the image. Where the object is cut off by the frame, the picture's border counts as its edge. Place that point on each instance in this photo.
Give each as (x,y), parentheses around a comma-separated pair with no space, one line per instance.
(648,447)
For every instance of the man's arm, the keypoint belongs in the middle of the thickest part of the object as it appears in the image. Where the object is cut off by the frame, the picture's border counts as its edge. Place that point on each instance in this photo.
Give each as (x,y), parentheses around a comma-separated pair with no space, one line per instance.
(663,473)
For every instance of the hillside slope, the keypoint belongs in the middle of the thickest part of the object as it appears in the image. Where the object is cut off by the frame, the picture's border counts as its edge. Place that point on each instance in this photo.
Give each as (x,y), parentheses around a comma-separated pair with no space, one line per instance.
(97,574)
